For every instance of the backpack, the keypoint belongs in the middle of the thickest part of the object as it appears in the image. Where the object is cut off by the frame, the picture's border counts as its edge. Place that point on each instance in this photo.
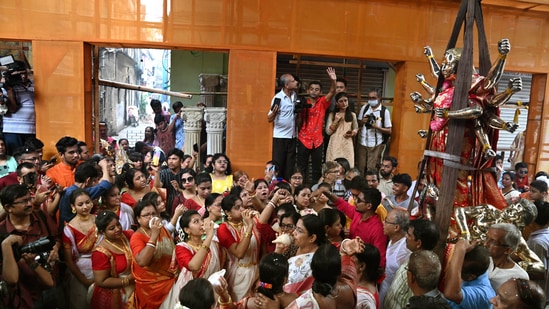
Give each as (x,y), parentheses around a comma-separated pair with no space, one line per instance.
(386,137)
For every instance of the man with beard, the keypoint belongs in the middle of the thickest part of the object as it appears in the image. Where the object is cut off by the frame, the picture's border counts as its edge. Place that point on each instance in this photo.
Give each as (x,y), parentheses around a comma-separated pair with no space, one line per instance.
(388,166)
(63,173)
(166,177)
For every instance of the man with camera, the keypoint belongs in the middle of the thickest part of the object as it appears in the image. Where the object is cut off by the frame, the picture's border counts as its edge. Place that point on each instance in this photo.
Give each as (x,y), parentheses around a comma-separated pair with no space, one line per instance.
(26,254)
(20,120)
(375,123)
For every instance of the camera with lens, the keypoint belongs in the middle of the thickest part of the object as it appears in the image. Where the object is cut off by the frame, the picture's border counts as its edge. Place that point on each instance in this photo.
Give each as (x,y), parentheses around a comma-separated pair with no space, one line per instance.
(370,120)
(40,247)
(9,66)
(301,104)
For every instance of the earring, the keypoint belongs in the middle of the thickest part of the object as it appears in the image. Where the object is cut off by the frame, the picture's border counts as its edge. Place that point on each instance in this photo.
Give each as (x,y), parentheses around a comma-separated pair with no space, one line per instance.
(73,210)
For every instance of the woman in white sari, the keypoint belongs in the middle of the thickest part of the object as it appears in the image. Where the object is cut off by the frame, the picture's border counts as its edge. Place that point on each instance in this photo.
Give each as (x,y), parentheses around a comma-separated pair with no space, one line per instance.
(239,236)
(197,258)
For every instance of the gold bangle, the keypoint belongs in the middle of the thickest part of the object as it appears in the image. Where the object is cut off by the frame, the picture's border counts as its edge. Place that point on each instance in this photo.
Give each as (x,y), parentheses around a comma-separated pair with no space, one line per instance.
(430,57)
(248,235)
(224,303)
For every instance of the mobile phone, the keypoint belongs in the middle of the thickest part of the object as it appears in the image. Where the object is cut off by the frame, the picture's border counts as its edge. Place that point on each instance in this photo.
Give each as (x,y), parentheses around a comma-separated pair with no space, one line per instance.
(195,147)
(276,103)
(53,160)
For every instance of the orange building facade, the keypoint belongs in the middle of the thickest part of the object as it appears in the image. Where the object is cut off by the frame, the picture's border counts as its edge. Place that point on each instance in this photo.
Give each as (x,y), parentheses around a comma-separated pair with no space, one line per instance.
(64,32)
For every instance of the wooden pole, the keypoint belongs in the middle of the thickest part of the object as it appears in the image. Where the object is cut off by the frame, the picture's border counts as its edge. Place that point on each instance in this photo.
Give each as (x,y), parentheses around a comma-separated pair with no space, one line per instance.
(111,83)
(456,129)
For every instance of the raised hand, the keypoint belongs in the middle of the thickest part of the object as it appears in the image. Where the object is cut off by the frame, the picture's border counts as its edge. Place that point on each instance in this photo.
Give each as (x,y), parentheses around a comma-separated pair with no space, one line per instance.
(175,185)
(332,73)
(208,227)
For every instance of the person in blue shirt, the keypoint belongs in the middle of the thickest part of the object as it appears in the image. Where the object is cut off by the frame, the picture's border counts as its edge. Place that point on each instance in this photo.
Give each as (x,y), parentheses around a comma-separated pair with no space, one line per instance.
(466,284)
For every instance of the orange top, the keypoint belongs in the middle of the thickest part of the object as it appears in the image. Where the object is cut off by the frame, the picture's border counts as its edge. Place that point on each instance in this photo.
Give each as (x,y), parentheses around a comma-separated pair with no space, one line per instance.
(62,174)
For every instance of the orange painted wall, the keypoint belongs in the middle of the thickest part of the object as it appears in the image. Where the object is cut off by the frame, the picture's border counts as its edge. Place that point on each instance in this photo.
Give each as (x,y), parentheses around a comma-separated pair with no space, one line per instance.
(254,31)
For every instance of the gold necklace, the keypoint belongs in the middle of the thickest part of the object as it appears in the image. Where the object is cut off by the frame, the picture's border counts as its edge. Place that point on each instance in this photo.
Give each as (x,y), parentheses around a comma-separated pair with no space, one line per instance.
(237,227)
(126,251)
(195,247)
(123,250)
(145,232)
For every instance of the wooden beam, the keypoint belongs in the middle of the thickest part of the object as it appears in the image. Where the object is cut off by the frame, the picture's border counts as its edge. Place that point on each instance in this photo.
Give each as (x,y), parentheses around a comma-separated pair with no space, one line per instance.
(328,64)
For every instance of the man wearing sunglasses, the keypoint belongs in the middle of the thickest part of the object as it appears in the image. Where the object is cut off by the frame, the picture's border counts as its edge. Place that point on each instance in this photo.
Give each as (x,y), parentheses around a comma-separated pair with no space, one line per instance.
(521,178)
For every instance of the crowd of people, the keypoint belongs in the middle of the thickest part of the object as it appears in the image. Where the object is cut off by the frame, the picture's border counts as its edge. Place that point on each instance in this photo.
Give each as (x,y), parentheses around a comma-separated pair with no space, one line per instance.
(146,226)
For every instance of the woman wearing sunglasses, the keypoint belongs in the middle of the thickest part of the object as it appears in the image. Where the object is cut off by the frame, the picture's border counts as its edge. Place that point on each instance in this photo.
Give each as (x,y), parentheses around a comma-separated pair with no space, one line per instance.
(187,191)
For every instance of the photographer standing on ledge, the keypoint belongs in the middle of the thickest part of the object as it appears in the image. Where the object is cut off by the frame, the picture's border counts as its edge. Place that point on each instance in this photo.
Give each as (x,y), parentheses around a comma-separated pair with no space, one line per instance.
(374,121)
(20,120)
(26,277)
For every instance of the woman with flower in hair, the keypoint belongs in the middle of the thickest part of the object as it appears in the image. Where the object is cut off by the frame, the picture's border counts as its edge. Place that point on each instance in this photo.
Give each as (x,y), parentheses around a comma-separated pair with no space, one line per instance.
(196,258)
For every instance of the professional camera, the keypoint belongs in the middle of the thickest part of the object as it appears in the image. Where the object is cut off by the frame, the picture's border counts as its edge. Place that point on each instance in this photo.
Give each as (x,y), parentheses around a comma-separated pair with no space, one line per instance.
(300,104)
(370,120)
(9,65)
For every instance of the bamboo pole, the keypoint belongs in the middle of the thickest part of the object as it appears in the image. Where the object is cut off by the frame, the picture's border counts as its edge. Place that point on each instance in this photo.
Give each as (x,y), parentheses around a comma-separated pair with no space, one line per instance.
(111,83)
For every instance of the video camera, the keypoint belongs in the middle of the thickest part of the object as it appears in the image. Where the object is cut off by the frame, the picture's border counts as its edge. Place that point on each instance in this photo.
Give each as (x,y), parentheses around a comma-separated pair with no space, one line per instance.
(8,65)
(301,104)
(40,247)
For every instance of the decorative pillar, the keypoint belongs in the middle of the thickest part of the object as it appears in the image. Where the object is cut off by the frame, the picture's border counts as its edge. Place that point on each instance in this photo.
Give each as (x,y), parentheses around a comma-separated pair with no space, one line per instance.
(192,126)
(223,82)
(215,124)
(208,83)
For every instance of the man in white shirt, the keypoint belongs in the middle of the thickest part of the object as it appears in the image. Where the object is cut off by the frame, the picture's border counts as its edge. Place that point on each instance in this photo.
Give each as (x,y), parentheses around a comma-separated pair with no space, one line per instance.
(374,121)
(502,240)
(394,227)
(283,116)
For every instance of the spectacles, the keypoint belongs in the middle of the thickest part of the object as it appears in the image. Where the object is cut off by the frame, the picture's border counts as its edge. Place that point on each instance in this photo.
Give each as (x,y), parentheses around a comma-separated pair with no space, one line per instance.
(522,172)
(357,199)
(23,201)
(287,226)
(148,215)
(189,179)
(297,177)
(491,242)
(32,159)
(389,222)
(333,172)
